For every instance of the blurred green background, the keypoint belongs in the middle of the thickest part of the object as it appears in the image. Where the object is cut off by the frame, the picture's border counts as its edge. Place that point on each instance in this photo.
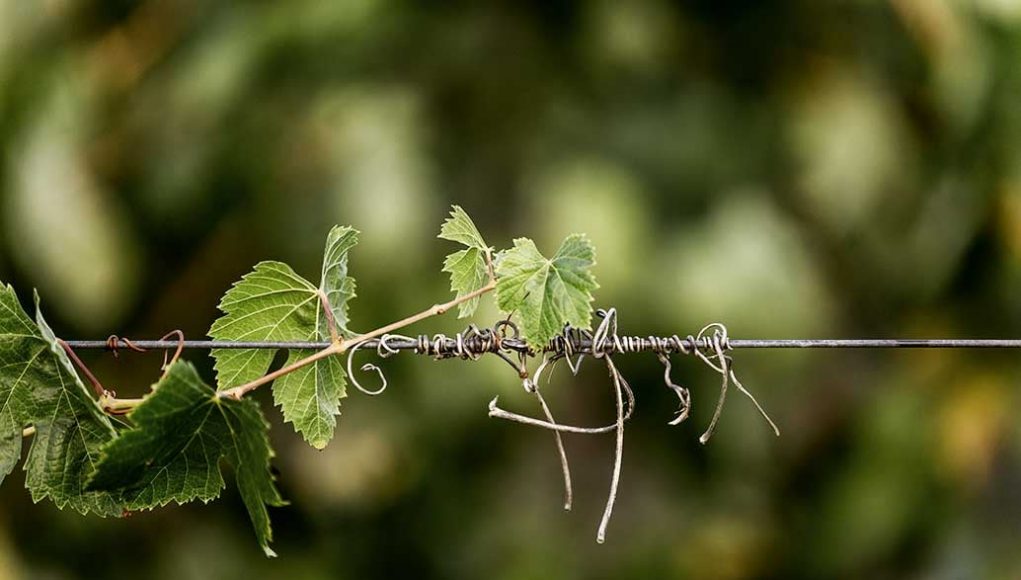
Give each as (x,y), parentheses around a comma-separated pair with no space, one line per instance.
(791,168)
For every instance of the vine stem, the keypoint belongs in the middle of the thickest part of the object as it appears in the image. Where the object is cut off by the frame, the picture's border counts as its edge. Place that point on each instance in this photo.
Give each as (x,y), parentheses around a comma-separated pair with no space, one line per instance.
(240,391)
(435,310)
(339,346)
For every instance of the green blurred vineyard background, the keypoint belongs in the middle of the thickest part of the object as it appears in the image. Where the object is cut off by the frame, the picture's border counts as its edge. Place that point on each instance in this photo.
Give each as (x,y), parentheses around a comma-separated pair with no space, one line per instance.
(791,168)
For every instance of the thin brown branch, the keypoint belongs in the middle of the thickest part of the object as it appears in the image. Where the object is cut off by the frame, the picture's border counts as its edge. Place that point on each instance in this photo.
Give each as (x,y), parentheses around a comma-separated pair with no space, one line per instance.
(242,390)
(331,321)
(341,346)
(435,310)
(114,406)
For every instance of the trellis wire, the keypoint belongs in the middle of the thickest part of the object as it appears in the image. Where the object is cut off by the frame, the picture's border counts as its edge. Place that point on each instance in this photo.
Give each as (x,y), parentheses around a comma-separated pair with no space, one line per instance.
(504,340)
(513,344)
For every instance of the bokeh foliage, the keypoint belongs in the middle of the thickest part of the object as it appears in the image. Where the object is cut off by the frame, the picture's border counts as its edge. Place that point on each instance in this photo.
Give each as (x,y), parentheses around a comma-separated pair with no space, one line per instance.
(791,168)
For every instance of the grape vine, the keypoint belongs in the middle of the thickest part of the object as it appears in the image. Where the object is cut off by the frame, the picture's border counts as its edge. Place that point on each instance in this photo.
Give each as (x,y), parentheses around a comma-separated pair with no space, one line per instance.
(99,454)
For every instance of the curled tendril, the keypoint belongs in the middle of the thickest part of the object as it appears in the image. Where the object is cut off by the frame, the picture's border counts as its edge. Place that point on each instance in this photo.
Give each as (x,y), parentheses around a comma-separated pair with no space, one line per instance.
(499,334)
(720,362)
(504,339)
(169,361)
(531,385)
(500,329)
(383,350)
(603,341)
(114,342)
(682,393)
(564,344)
(97,387)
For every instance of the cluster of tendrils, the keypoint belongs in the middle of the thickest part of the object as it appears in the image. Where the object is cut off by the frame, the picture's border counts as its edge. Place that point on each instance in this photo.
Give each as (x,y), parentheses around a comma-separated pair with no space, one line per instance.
(710,345)
(114,344)
(471,344)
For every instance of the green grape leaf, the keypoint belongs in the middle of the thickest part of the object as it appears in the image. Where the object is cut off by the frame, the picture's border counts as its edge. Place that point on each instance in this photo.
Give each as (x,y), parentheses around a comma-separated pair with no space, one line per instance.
(461,229)
(270,303)
(468,268)
(310,396)
(547,293)
(338,287)
(274,303)
(172,454)
(468,273)
(40,388)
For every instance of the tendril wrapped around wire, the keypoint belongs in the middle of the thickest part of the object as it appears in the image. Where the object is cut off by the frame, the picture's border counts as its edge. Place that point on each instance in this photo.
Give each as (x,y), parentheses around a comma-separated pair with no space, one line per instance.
(710,346)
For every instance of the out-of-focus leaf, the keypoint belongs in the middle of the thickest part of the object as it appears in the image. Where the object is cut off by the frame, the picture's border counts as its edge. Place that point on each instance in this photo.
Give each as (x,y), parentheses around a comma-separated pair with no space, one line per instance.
(72,235)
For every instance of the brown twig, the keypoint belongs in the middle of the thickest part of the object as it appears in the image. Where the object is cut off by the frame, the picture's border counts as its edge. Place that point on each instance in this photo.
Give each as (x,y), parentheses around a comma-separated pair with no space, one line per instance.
(331,321)
(341,345)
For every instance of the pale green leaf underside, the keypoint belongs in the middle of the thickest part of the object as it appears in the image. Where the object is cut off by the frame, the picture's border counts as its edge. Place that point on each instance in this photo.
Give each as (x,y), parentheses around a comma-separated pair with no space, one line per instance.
(335,283)
(39,387)
(546,293)
(310,396)
(460,228)
(467,268)
(274,303)
(182,432)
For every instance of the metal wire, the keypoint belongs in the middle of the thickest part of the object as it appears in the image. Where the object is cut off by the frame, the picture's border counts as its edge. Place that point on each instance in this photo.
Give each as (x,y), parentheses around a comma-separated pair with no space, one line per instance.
(584,345)
(710,346)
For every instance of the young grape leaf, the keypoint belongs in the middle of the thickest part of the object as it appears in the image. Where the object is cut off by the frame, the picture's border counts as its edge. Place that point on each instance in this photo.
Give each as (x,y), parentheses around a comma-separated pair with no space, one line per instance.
(338,287)
(270,303)
(40,388)
(547,293)
(273,303)
(182,431)
(468,268)
(460,228)
(468,272)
